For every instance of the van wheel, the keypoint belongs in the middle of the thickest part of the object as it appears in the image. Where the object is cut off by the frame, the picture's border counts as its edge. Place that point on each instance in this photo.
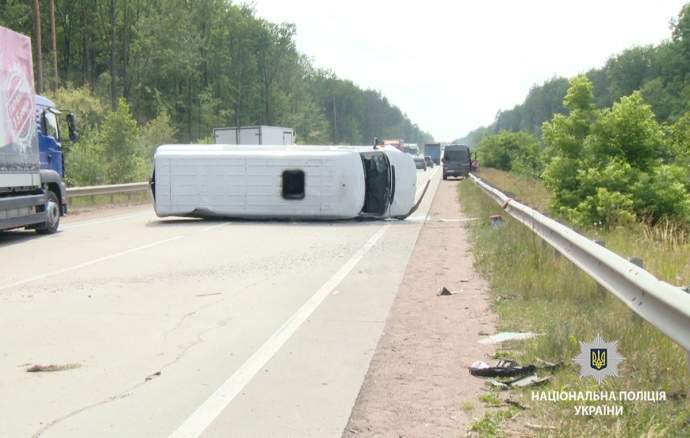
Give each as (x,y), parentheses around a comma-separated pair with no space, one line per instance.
(50,226)
(445,177)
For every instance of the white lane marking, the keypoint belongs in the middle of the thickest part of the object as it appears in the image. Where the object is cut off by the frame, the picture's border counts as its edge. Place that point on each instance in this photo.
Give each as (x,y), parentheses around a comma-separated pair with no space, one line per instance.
(101,259)
(209,410)
(80,224)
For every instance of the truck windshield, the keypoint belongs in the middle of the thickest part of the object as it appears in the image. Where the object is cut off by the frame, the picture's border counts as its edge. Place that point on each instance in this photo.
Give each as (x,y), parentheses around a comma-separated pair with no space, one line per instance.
(456,155)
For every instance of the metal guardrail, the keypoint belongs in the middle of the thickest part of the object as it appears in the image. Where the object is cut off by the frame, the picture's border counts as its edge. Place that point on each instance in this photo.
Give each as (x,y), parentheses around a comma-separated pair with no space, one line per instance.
(75,192)
(663,305)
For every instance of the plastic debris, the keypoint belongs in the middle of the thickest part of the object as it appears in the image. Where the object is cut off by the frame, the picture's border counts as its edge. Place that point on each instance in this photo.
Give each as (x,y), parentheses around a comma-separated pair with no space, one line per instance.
(445,291)
(504,368)
(507,336)
(496,220)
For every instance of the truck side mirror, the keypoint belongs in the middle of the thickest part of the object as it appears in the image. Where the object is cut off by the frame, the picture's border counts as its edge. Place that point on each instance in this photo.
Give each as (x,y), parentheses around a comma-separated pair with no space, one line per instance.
(72,126)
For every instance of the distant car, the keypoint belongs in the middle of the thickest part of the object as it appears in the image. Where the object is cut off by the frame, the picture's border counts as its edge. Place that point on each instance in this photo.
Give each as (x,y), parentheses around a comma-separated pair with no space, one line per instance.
(420,163)
(429,161)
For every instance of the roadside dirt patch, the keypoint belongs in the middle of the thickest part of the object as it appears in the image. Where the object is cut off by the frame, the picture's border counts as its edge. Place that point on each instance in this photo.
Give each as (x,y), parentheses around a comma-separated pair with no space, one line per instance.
(418,382)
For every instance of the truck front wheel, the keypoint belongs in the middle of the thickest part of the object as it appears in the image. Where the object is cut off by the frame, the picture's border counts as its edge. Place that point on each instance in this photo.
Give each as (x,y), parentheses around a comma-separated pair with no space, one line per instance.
(50,226)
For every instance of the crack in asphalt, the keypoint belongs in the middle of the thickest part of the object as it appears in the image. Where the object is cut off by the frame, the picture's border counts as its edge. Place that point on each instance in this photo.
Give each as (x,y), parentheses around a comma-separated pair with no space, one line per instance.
(129,391)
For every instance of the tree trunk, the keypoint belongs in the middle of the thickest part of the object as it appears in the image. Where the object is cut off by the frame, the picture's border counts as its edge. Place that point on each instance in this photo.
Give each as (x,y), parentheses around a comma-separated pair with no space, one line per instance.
(67,44)
(39,54)
(125,51)
(53,45)
(113,90)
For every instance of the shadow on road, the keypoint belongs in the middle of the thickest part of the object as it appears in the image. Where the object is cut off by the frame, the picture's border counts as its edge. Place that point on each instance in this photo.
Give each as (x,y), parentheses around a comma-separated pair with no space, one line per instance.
(13,237)
(266,222)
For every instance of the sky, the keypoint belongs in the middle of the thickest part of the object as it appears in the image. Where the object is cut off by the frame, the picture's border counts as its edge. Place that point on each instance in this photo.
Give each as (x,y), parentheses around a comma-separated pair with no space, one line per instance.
(451,65)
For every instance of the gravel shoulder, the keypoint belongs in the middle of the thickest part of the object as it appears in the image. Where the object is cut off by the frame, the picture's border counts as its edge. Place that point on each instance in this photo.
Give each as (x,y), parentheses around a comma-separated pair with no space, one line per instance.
(418,383)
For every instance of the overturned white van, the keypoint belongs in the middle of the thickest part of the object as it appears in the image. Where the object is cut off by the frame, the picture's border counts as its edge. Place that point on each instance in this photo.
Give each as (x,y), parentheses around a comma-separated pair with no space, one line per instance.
(284,182)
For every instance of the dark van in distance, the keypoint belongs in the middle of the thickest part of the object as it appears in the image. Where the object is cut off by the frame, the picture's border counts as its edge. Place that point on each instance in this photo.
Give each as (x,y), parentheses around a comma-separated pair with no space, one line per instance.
(456,161)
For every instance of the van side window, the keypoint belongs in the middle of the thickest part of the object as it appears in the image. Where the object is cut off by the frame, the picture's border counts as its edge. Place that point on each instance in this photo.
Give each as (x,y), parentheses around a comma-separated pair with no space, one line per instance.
(293,184)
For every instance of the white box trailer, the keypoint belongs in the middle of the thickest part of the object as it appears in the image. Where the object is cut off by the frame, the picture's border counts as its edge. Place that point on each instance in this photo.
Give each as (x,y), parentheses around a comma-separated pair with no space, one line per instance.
(298,182)
(252,135)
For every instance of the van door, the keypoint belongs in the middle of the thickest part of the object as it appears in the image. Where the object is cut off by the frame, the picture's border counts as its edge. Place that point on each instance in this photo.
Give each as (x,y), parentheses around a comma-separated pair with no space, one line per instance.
(377,180)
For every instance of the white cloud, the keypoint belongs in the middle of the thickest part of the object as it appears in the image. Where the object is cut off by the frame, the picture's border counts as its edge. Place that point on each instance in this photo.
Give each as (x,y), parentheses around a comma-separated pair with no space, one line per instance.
(450,65)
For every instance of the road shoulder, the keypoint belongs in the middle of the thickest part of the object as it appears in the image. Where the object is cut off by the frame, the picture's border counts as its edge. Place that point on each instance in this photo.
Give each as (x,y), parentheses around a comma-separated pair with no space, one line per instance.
(418,383)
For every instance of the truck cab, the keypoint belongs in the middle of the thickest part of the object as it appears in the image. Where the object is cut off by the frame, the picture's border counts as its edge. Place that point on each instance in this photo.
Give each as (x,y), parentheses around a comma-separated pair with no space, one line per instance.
(49,140)
(51,135)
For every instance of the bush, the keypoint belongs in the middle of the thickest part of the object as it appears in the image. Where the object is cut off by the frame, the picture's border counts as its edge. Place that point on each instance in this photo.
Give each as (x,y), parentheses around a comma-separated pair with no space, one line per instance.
(118,135)
(606,167)
(516,151)
(604,208)
(156,132)
(662,194)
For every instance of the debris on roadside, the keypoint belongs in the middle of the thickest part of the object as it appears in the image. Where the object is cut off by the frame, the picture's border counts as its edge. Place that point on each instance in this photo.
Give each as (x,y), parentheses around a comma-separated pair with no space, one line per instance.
(508,374)
(520,382)
(508,336)
(504,368)
(51,368)
(496,221)
(546,365)
(445,292)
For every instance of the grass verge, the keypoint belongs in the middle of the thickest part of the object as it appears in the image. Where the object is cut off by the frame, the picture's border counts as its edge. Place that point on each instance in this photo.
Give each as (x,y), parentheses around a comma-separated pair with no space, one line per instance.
(533,290)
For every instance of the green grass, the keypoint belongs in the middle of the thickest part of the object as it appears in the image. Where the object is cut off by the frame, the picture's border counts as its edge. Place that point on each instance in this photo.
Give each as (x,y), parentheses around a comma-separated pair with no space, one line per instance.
(533,290)
(490,424)
(522,188)
(490,399)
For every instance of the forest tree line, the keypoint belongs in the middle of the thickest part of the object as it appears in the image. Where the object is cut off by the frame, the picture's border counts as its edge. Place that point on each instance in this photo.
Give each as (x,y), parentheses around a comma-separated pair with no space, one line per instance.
(612,145)
(661,73)
(143,72)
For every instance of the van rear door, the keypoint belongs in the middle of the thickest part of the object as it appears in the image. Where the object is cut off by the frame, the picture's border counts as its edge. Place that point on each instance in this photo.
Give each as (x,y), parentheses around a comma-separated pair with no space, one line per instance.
(377,179)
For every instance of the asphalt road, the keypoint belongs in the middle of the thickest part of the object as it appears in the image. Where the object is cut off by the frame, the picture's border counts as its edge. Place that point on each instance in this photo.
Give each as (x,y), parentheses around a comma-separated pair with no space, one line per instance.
(181,328)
